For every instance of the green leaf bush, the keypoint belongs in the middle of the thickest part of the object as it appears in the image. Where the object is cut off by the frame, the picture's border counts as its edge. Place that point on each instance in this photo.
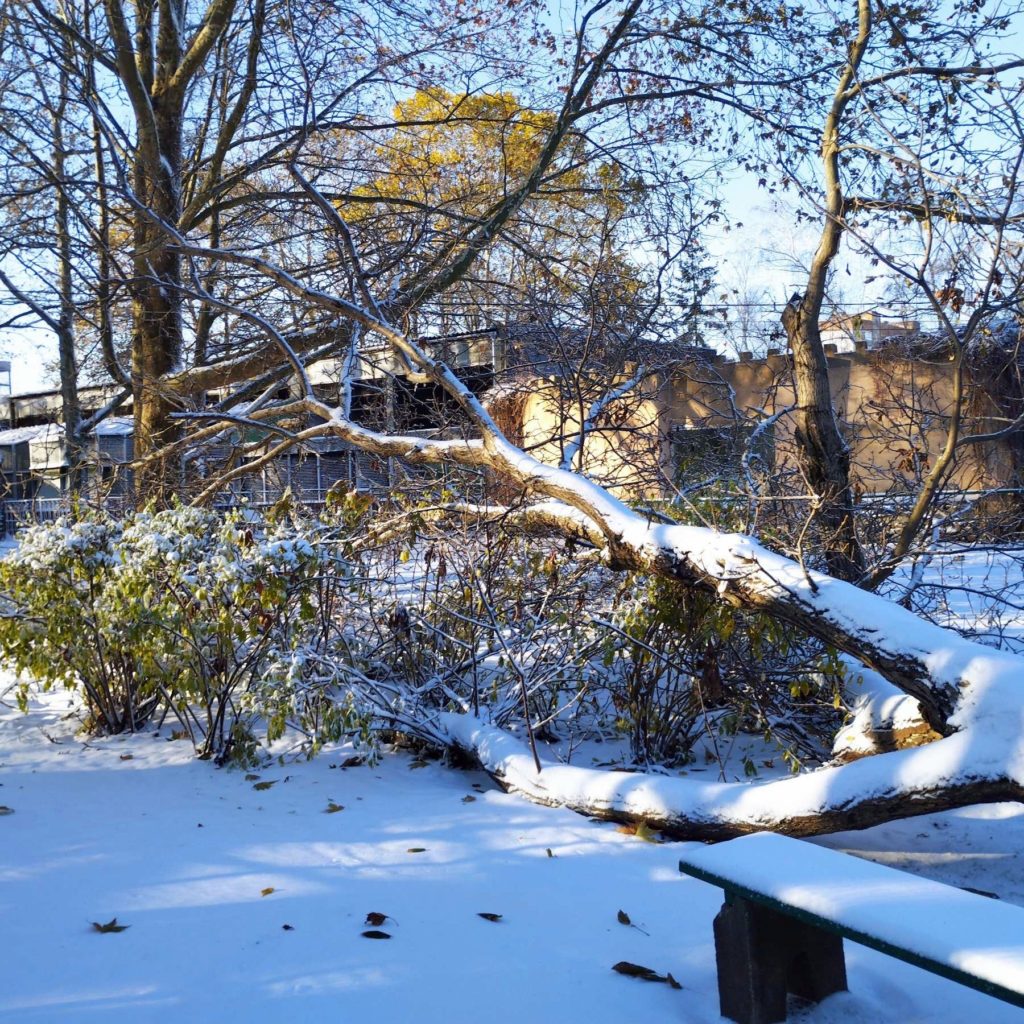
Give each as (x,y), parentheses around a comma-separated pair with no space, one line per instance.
(209,619)
(369,619)
(681,665)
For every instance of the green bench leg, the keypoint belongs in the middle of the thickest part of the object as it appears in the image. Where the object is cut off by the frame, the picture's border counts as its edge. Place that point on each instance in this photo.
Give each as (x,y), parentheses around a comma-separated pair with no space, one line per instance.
(764,955)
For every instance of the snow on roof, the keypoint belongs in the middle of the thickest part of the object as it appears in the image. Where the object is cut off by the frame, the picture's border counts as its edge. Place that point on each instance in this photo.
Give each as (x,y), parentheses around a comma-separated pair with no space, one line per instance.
(19,435)
(119,426)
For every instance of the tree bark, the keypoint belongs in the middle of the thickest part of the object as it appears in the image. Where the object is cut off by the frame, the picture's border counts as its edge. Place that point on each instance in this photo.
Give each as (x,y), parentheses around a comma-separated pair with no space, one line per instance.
(835,799)
(71,408)
(157,66)
(823,453)
(157,311)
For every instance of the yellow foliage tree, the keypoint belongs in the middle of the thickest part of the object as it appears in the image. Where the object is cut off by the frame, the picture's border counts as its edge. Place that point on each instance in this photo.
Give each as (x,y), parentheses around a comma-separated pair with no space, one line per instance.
(451,158)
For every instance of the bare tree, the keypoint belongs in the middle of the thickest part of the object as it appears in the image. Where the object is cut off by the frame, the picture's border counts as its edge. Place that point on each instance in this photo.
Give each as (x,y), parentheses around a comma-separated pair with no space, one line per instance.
(42,265)
(230,128)
(905,81)
(289,313)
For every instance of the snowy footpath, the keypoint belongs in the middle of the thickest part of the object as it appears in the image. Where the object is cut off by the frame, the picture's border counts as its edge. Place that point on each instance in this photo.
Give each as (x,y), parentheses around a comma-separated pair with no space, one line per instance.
(246,896)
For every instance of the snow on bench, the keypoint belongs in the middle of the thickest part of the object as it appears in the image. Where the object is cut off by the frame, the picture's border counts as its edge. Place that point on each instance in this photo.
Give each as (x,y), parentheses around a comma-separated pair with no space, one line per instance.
(790,903)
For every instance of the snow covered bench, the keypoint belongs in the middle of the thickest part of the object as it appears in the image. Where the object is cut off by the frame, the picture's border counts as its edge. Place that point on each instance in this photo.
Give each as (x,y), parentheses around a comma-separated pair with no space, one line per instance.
(789,904)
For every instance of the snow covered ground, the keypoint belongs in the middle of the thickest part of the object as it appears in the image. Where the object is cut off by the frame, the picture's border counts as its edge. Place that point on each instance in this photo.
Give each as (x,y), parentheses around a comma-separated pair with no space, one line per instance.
(249,904)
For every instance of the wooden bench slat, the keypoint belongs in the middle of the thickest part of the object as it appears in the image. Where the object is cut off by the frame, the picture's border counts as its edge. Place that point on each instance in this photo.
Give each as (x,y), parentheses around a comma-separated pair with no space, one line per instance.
(973,940)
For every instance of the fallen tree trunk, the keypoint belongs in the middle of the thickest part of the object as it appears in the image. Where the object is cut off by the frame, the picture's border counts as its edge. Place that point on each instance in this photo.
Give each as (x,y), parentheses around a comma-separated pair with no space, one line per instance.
(883,718)
(952,772)
(922,660)
(975,695)
(971,695)
(918,658)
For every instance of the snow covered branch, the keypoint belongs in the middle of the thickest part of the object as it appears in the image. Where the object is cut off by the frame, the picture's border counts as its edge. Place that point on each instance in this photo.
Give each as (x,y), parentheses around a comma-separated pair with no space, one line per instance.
(953,772)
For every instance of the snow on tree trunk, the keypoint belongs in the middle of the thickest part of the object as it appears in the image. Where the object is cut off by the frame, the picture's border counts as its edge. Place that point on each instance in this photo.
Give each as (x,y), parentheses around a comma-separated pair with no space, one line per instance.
(983,763)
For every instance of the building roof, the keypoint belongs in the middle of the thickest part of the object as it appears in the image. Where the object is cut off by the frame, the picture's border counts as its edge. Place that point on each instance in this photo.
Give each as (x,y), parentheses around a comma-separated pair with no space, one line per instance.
(118,426)
(115,426)
(21,435)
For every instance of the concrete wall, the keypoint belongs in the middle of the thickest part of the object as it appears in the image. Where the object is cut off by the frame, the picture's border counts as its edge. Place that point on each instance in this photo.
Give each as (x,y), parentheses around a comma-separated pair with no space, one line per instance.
(894,411)
(627,450)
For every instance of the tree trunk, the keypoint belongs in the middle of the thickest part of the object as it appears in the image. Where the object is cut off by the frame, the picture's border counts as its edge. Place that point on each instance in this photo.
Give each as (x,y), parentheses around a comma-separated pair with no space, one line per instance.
(157,62)
(823,454)
(71,408)
(853,796)
(157,310)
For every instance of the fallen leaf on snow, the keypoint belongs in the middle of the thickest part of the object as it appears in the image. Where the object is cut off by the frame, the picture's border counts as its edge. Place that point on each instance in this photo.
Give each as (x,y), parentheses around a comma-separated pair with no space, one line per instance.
(333,808)
(641,830)
(980,892)
(109,927)
(376,918)
(644,973)
(636,971)
(647,834)
(416,849)
(264,785)
(489,917)
(623,918)
(375,935)
(266,892)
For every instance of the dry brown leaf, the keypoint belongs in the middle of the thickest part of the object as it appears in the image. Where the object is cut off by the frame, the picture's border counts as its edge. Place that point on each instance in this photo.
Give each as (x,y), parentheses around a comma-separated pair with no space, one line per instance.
(646,833)
(636,971)
(644,973)
(110,927)
(266,892)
